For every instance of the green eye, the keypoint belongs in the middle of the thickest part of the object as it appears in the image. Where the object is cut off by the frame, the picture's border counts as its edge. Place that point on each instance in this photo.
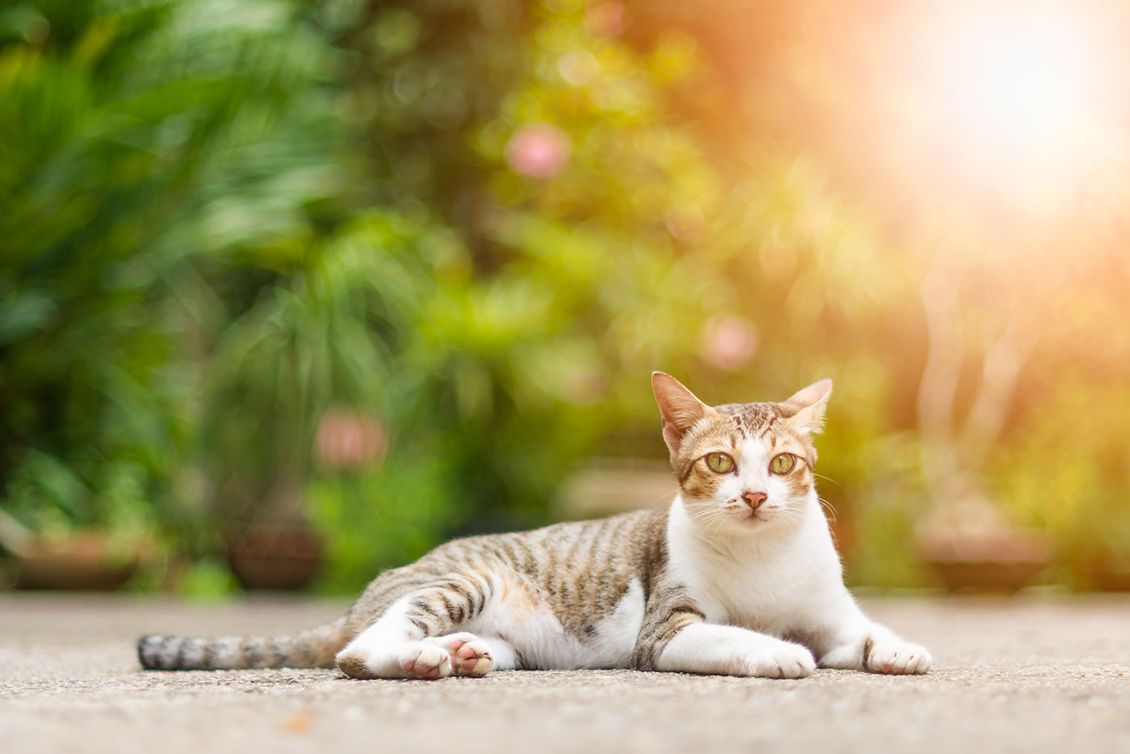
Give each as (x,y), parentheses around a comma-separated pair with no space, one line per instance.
(719,463)
(783,463)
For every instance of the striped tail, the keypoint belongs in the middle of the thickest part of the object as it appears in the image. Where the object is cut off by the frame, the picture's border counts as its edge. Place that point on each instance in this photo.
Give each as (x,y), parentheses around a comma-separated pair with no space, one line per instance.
(307,649)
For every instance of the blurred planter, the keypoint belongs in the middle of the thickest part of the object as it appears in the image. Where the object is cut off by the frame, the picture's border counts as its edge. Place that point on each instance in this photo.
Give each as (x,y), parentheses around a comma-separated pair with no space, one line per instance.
(277,557)
(1108,572)
(970,547)
(88,561)
(607,486)
(1004,562)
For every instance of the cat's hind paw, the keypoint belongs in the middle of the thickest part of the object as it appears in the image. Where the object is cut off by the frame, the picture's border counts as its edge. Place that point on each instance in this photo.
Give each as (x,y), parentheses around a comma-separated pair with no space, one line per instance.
(467,653)
(422,660)
(418,660)
(893,656)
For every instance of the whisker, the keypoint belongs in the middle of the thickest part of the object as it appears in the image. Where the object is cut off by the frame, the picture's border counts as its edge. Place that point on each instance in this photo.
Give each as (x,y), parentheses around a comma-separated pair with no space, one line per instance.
(710,519)
(829,507)
(664,498)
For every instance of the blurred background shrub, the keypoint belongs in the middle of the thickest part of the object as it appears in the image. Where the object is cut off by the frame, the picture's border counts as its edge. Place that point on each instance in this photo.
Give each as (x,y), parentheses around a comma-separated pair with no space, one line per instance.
(354,277)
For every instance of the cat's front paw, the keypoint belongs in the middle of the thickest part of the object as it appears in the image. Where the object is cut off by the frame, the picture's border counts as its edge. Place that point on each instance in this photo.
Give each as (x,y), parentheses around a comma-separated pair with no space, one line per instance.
(893,656)
(782,659)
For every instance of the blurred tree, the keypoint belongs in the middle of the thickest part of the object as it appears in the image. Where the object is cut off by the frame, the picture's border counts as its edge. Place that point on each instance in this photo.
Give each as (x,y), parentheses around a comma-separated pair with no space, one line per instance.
(124,163)
(397,266)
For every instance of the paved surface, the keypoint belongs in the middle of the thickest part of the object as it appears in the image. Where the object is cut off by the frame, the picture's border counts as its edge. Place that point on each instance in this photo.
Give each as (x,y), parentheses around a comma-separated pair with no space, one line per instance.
(1028,675)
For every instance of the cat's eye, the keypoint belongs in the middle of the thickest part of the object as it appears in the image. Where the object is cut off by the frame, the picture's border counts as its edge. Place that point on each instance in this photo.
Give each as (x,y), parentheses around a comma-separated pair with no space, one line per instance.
(782,463)
(719,463)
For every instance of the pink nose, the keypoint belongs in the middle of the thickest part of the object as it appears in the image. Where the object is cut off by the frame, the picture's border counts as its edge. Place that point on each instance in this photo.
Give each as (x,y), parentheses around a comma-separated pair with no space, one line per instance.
(754,499)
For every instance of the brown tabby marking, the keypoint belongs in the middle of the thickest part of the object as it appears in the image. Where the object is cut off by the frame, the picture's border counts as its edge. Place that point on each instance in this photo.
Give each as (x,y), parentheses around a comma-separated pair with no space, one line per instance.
(723,428)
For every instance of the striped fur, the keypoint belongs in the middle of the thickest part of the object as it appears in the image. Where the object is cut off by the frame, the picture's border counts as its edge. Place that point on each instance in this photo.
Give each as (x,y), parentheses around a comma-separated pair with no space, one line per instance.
(715,584)
(308,649)
(578,571)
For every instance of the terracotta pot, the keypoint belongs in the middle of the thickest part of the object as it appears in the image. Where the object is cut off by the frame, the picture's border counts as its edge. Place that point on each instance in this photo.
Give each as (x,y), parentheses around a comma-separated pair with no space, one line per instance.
(1001,563)
(275,557)
(82,561)
(1109,573)
(1007,576)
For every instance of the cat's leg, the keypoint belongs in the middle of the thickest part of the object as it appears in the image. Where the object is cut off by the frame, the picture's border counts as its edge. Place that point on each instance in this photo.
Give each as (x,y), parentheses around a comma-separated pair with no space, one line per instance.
(849,640)
(393,647)
(729,650)
(419,637)
(674,637)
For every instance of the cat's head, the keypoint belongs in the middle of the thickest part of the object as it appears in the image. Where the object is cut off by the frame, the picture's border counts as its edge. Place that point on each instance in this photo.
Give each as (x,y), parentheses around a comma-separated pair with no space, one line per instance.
(742,465)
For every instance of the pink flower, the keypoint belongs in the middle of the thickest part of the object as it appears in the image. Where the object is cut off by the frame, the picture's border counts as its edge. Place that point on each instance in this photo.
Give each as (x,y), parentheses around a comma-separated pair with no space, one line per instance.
(605,18)
(729,342)
(348,438)
(582,385)
(537,151)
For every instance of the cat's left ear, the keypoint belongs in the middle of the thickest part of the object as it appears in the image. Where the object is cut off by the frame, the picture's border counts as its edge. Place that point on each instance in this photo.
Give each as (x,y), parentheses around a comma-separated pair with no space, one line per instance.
(805,408)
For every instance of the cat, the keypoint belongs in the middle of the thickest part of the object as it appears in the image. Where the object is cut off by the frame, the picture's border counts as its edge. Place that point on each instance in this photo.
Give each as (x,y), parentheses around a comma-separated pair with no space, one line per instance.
(739,576)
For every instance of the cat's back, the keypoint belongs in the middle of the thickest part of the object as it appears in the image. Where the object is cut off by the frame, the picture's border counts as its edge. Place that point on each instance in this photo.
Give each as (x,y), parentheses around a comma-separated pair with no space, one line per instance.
(559,553)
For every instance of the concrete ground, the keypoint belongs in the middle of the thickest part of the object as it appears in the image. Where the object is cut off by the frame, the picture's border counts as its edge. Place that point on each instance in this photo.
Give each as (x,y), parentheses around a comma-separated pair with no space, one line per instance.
(1025,675)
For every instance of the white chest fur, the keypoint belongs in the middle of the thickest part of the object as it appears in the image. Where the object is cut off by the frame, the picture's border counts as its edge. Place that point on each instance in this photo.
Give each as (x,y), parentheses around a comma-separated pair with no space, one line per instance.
(775,582)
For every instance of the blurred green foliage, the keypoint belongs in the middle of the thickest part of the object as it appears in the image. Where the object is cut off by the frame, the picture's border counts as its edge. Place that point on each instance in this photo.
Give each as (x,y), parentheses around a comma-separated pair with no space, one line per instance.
(468,230)
(1080,493)
(126,130)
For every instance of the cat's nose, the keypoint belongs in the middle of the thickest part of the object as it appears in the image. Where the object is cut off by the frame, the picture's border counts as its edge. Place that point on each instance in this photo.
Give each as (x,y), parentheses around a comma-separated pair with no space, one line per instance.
(754,499)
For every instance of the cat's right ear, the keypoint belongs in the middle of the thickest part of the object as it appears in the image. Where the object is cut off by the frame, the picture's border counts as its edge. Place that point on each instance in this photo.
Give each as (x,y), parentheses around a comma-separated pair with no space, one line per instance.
(678,406)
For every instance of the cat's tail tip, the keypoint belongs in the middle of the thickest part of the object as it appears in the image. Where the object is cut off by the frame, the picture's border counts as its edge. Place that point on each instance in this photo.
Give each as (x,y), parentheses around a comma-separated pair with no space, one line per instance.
(314,648)
(151,652)
(166,652)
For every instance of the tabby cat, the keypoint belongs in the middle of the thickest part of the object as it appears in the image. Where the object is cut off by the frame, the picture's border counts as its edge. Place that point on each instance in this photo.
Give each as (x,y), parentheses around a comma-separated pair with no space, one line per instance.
(739,576)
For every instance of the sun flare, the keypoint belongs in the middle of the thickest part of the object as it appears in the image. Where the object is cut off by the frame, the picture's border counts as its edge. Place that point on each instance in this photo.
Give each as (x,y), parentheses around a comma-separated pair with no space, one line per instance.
(1022,87)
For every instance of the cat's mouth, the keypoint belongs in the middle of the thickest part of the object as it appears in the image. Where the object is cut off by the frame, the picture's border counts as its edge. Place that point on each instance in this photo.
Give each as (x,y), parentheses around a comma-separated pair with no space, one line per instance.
(760,517)
(750,517)
(745,515)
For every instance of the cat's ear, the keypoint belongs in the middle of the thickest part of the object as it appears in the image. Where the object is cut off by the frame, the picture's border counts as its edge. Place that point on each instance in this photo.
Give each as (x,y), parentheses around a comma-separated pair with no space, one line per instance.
(678,406)
(805,408)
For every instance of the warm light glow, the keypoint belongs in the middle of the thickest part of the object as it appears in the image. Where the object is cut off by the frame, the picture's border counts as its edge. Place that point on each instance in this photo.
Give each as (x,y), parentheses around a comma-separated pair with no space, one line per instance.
(1023,87)
(1029,90)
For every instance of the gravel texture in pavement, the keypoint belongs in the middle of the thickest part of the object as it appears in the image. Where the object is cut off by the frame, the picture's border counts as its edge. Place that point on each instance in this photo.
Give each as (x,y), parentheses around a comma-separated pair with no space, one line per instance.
(1025,675)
